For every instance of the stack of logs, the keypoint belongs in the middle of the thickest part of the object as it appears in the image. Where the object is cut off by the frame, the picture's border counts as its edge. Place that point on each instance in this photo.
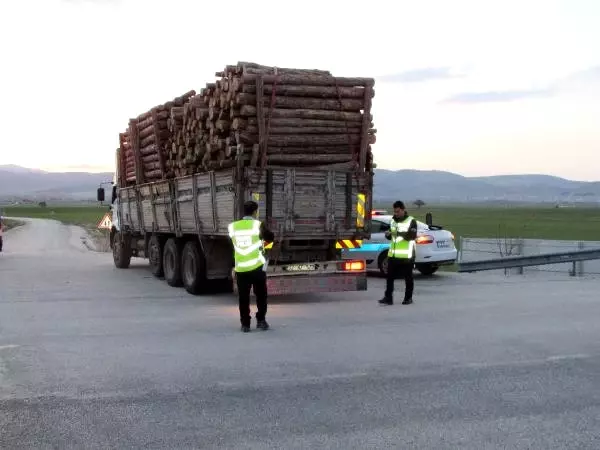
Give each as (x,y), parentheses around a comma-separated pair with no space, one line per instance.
(147,142)
(305,118)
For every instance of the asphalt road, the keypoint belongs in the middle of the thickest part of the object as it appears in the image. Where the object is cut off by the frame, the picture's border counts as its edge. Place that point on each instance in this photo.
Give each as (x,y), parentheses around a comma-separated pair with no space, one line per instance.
(95,357)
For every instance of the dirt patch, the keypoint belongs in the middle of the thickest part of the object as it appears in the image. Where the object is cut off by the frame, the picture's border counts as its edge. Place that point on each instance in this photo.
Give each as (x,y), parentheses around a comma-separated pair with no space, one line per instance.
(97,240)
(11,223)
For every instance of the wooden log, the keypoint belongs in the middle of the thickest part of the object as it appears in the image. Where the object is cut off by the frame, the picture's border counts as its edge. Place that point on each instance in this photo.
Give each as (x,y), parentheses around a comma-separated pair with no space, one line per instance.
(306,130)
(322,150)
(149,150)
(250,110)
(239,123)
(292,90)
(303,160)
(248,65)
(148,130)
(153,175)
(305,140)
(346,166)
(301,102)
(310,80)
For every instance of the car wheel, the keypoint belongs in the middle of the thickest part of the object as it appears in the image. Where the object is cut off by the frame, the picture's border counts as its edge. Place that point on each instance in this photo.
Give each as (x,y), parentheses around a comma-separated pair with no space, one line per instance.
(427,269)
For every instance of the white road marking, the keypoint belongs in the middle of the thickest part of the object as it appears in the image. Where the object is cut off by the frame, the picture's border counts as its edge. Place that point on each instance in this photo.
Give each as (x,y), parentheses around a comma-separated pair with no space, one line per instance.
(7,347)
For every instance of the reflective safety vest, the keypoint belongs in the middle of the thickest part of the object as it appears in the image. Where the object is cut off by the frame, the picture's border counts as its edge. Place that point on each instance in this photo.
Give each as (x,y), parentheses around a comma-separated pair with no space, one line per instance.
(247,245)
(399,247)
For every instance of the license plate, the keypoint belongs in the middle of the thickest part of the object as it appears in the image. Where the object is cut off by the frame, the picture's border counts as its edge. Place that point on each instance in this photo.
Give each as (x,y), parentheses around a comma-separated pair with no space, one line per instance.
(443,244)
(301,267)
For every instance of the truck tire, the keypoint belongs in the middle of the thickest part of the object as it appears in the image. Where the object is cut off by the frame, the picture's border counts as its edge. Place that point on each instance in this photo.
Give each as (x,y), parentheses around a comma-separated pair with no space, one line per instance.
(121,250)
(155,256)
(427,269)
(172,262)
(193,268)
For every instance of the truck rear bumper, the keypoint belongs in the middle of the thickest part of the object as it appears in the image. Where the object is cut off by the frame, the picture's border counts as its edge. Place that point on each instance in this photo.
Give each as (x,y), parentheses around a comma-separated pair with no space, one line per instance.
(314,283)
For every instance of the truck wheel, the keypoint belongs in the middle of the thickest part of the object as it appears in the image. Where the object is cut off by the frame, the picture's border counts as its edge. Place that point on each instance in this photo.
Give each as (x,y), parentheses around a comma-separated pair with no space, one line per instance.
(427,269)
(172,263)
(121,250)
(382,263)
(193,268)
(155,256)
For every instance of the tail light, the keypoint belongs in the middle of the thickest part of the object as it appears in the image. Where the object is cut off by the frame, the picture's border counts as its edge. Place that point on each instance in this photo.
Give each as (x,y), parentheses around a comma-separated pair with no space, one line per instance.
(452,234)
(424,239)
(354,266)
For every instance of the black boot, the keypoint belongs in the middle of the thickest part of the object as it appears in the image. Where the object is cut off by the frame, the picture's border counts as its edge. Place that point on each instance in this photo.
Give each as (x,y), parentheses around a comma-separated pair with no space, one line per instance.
(262,325)
(407,301)
(245,329)
(386,301)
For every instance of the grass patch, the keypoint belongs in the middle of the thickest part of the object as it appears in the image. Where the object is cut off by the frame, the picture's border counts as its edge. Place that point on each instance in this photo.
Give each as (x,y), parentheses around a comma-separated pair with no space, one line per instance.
(86,216)
(10,223)
(515,222)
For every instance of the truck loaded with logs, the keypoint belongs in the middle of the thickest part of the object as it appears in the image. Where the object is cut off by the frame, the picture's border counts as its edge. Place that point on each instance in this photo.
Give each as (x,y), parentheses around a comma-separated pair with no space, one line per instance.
(296,141)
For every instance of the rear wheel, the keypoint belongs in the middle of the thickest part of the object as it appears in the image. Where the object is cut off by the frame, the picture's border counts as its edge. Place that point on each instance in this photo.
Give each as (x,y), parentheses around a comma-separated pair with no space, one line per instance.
(193,268)
(427,269)
(155,256)
(121,250)
(172,263)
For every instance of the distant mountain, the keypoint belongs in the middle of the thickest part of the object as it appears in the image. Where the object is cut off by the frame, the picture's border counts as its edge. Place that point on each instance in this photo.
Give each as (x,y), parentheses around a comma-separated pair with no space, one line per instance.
(408,185)
(20,182)
(439,186)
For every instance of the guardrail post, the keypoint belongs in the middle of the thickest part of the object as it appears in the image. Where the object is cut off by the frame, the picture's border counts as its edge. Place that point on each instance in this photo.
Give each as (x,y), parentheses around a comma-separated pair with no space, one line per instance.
(580,272)
(460,248)
(520,248)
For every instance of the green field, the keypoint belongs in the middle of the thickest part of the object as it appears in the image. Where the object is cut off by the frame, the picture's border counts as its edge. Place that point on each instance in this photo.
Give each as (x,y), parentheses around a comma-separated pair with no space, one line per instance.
(465,221)
(515,221)
(86,216)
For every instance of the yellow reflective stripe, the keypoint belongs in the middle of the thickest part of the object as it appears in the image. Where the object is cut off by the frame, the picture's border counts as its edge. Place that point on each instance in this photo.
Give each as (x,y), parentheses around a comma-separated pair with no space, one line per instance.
(360,210)
(246,251)
(269,245)
(252,262)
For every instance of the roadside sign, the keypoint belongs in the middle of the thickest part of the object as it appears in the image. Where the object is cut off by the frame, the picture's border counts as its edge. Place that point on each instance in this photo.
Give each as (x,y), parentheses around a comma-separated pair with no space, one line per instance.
(105,223)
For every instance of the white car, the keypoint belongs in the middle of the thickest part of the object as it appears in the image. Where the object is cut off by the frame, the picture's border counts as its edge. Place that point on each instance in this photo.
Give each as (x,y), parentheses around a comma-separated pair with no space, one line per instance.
(435,247)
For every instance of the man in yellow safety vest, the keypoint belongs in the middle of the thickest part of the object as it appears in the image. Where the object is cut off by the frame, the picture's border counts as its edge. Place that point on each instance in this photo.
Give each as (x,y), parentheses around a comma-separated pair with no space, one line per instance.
(247,236)
(401,255)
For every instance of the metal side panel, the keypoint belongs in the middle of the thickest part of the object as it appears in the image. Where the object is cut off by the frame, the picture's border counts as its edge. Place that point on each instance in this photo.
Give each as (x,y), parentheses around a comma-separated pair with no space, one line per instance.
(128,199)
(147,208)
(184,198)
(163,206)
(215,198)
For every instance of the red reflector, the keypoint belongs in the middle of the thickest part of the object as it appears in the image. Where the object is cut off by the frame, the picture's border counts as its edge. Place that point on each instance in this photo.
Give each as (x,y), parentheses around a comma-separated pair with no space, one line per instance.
(424,239)
(354,266)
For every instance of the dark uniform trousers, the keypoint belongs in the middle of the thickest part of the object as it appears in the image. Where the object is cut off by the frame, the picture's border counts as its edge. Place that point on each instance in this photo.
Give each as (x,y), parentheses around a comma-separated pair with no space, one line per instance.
(254,279)
(400,268)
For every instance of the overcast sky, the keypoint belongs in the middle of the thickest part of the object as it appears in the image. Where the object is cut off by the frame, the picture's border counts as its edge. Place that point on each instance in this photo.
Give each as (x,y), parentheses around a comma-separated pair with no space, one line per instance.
(477,87)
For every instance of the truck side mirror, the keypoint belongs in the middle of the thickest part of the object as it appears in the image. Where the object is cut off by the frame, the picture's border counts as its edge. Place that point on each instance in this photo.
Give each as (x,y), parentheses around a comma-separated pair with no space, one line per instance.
(428,219)
(100,194)
(114,194)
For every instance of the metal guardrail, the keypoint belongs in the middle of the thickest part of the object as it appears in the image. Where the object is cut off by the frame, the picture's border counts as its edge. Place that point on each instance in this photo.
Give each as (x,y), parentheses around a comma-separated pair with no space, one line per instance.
(524,261)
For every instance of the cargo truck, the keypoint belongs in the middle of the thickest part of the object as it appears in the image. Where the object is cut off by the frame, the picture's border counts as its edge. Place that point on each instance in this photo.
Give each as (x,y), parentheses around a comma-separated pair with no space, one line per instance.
(180,226)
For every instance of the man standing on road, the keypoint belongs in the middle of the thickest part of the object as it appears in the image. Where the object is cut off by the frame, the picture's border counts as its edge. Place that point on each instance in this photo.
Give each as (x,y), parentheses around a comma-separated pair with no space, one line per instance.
(1,231)
(247,236)
(401,255)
